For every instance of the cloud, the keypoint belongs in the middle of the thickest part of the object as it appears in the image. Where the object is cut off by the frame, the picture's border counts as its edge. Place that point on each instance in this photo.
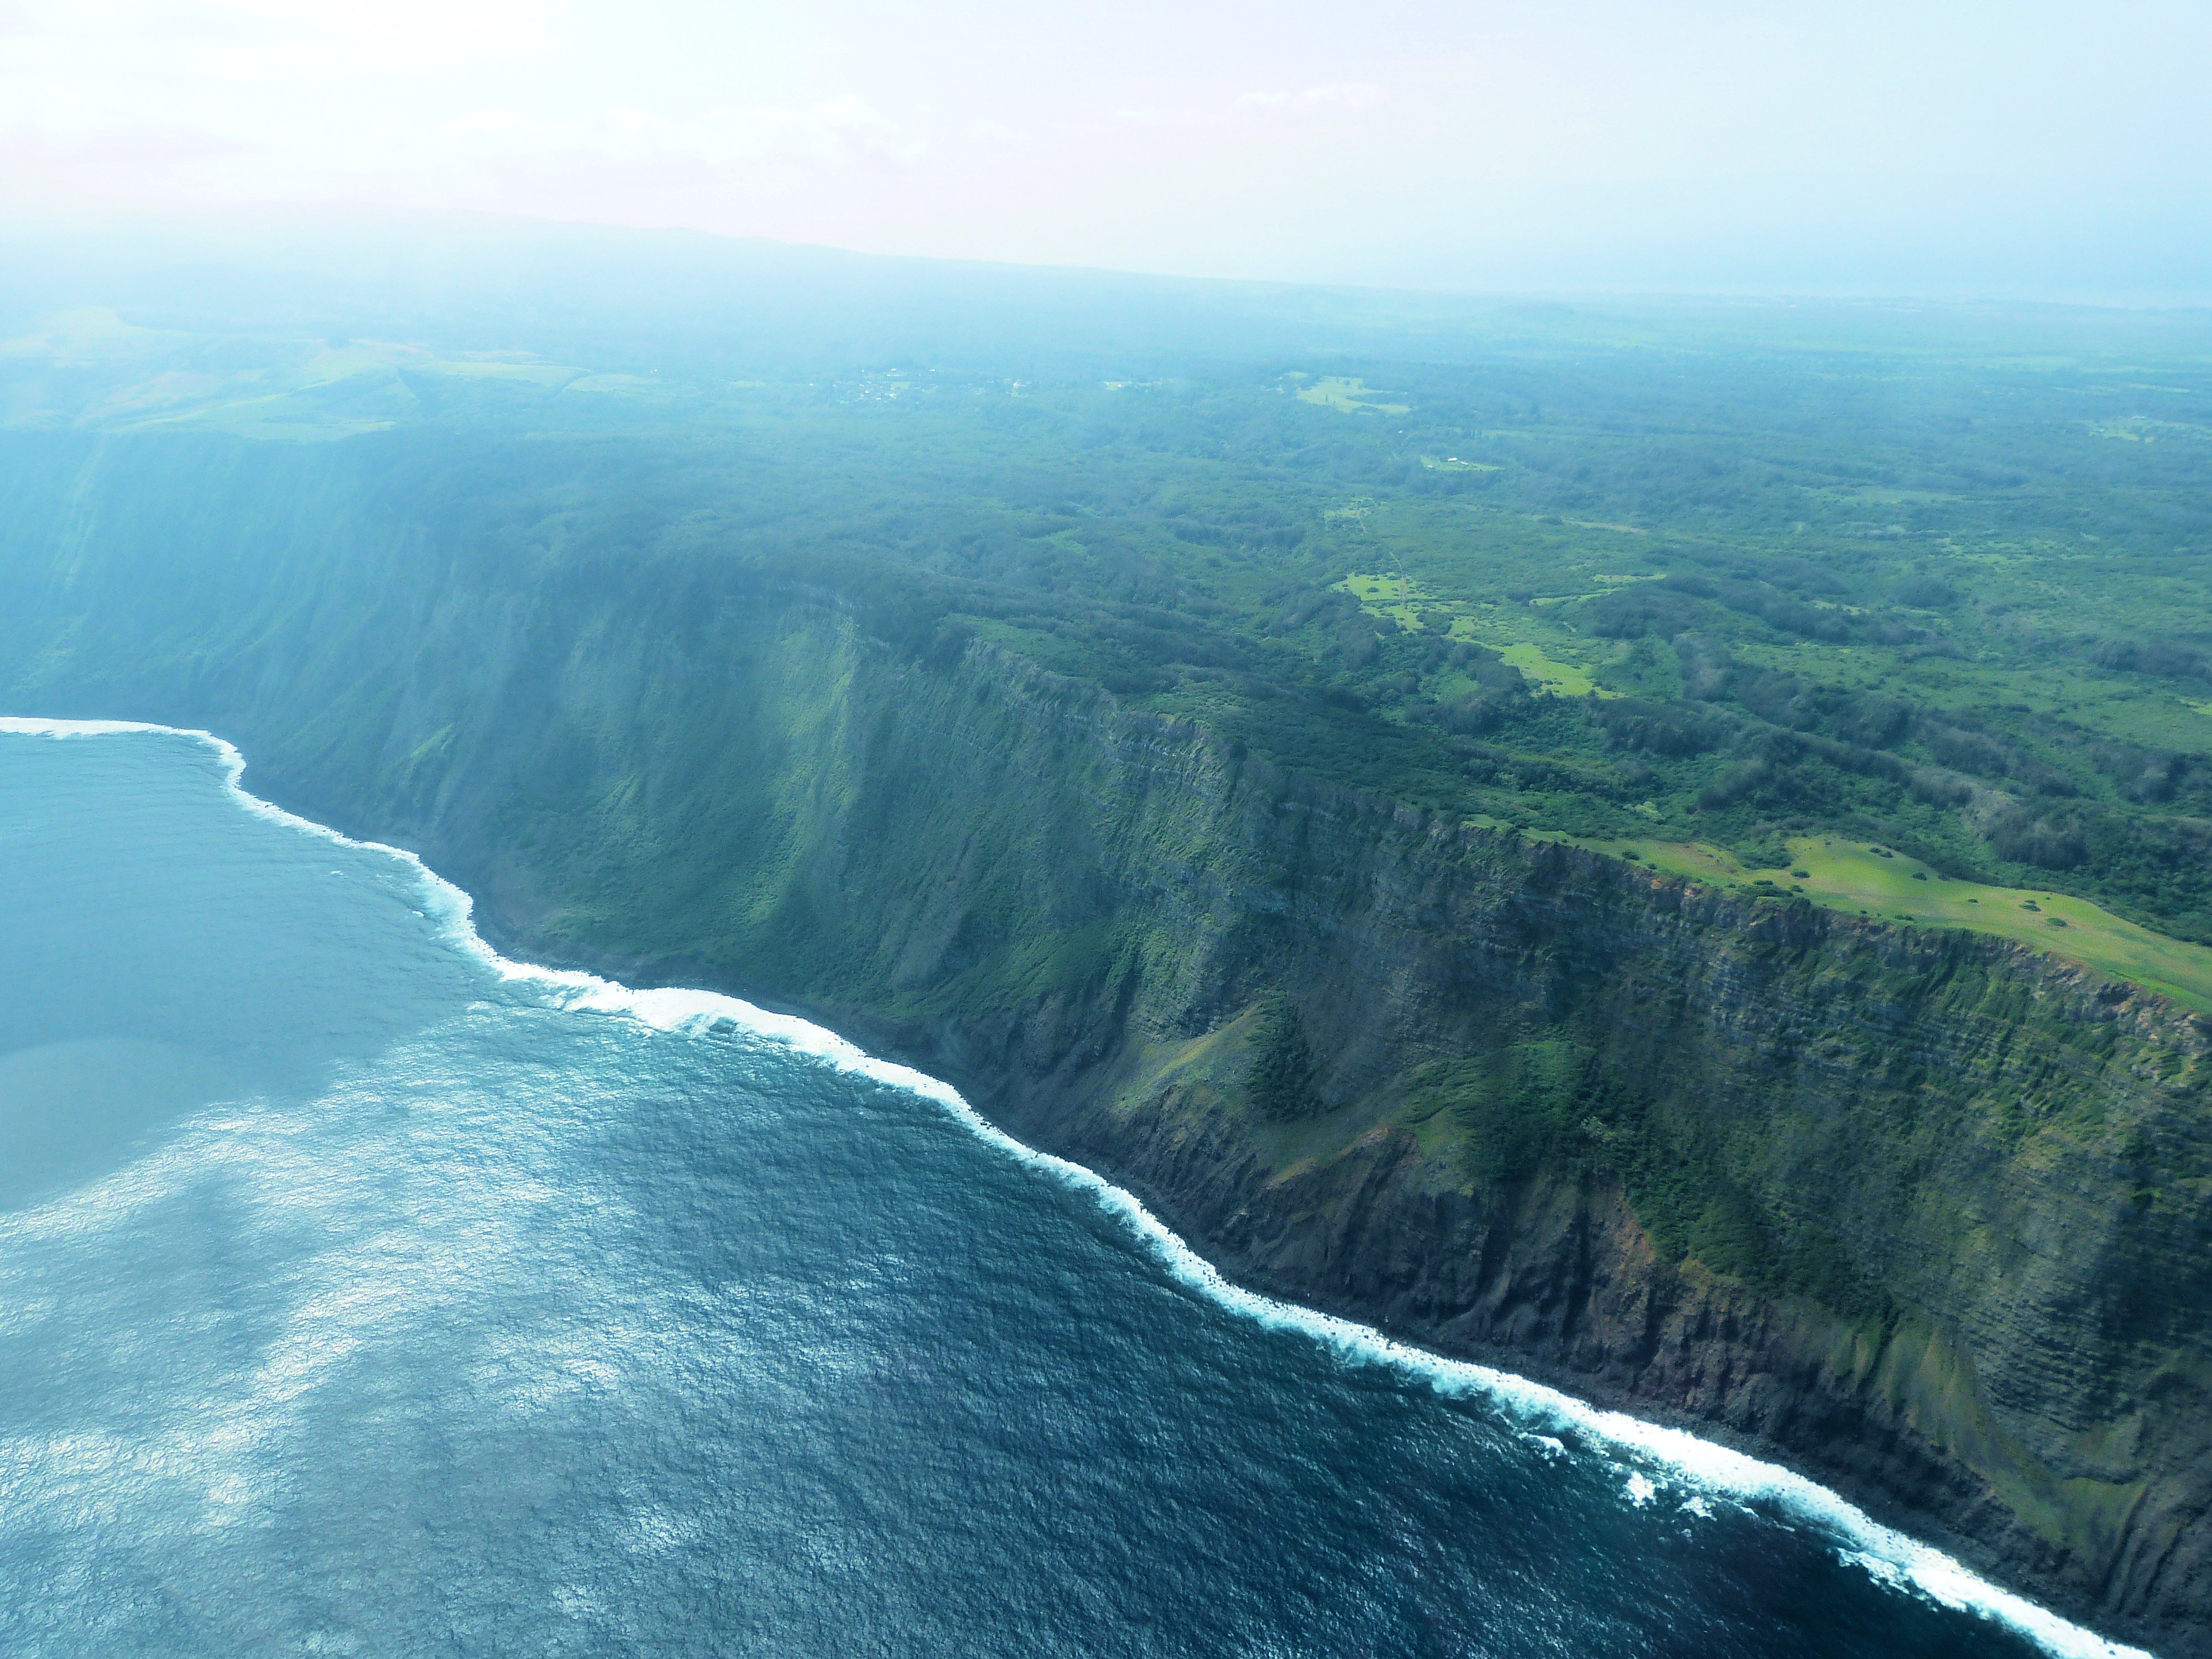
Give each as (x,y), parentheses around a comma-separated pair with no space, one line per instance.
(1419,143)
(1346,97)
(104,46)
(613,164)
(1332,97)
(1143,115)
(836,131)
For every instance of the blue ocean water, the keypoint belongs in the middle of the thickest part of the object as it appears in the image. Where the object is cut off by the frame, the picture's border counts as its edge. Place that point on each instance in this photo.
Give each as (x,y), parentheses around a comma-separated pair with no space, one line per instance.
(361,1294)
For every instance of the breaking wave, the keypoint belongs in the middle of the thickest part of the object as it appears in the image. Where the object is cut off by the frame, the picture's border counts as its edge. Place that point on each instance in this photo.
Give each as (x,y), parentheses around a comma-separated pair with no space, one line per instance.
(1648,1452)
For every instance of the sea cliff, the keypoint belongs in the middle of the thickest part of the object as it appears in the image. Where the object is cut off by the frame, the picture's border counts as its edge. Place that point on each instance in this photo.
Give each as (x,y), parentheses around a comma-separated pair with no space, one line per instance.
(1922,1213)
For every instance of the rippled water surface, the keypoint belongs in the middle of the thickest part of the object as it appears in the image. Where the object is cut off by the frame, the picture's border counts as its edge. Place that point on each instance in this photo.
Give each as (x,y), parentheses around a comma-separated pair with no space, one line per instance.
(360,1297)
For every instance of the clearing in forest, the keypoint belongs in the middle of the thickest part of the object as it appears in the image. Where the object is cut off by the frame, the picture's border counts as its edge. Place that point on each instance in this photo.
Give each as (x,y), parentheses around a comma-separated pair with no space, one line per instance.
(1348,394)
(1884,886)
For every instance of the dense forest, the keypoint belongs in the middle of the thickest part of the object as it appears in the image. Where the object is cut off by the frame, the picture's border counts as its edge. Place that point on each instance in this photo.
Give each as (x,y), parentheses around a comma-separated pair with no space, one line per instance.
(1232,731)
(1931,582)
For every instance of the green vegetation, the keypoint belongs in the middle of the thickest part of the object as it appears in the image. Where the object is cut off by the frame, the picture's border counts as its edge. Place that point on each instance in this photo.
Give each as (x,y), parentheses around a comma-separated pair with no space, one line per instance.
(1567,1102)
(1883,885)
(1697,579)
(937,695)
(1347,395)
(1280,1082)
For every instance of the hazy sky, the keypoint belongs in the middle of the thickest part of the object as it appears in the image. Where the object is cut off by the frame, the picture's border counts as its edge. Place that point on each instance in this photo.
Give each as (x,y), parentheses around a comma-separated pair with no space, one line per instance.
(2038,147)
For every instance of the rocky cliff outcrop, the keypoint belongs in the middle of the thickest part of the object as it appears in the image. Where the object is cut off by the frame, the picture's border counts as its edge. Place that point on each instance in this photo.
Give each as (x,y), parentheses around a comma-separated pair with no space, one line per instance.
(1924,1214)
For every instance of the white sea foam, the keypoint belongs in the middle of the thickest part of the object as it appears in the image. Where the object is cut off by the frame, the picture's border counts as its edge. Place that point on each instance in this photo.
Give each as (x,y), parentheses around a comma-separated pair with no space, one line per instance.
(1650,1448)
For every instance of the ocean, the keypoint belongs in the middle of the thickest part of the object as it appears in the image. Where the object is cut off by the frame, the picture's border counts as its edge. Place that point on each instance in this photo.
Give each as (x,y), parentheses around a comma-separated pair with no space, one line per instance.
(362,1293)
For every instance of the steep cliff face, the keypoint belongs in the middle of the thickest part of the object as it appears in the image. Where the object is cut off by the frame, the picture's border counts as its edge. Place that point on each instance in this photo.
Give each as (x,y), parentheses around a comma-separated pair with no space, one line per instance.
(1924,1213)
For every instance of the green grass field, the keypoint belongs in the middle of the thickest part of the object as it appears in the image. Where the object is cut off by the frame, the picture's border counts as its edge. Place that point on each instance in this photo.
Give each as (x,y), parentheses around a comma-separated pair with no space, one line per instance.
(1390,594)
(1549,676)
(1862,880)
(1521,637)
(1348,394)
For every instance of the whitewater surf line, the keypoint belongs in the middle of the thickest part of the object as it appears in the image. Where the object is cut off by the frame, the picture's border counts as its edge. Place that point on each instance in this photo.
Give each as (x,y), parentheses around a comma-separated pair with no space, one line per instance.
(1711,1469)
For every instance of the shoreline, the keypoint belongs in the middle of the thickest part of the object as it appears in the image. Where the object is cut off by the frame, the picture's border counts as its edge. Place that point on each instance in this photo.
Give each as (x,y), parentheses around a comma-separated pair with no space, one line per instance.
(1637,1444)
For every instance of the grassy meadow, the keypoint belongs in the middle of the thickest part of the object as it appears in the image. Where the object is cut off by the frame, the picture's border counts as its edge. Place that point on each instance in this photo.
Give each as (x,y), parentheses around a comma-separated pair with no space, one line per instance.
(1882,885)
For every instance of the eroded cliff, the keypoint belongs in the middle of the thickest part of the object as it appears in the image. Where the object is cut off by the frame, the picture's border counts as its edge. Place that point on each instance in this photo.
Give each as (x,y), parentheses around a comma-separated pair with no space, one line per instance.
(1922,1213)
